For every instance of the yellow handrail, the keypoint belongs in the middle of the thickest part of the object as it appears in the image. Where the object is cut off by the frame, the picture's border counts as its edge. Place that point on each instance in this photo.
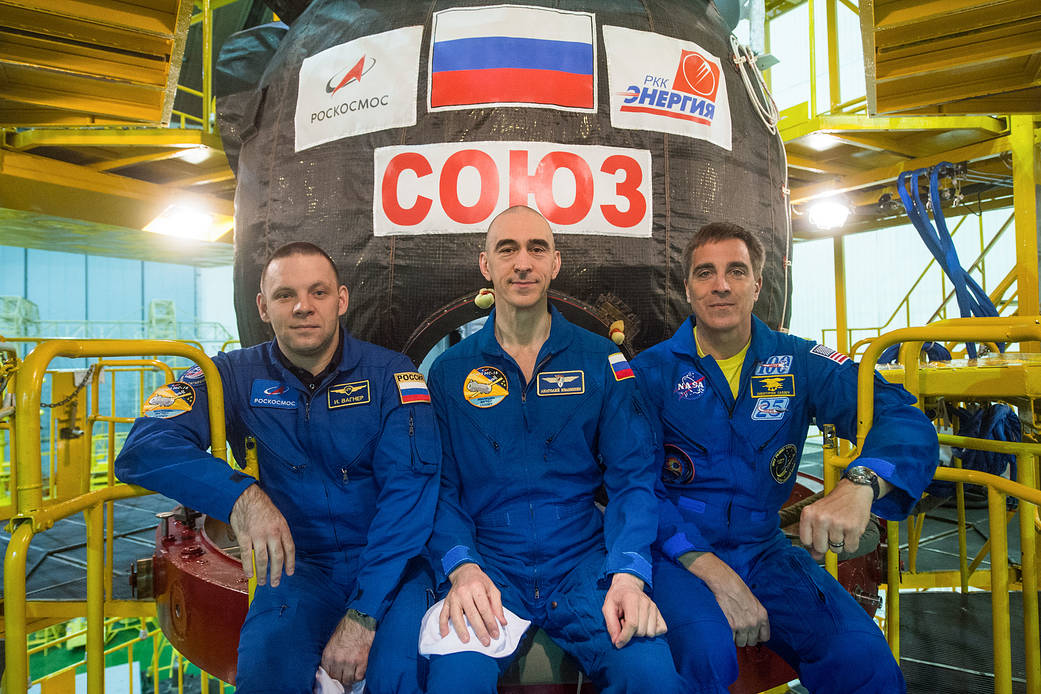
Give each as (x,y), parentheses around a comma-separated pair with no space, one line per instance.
(29,493)
(1014,329)
(33,516)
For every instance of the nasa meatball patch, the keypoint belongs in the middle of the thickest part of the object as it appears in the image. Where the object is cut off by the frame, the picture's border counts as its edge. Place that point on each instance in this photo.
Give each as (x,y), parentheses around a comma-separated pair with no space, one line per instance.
(562,383)
(690,386)
(168,401)
(784,462)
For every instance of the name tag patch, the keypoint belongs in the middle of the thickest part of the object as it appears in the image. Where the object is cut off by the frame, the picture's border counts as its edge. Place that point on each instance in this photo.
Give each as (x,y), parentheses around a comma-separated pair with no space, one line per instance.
(773,386)
(562,383)
(265,393)
(347,394)
(412,387)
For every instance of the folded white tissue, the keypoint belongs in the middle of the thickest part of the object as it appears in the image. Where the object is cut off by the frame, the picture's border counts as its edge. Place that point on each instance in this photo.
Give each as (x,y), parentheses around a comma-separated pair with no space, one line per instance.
(324,684)
(432,643)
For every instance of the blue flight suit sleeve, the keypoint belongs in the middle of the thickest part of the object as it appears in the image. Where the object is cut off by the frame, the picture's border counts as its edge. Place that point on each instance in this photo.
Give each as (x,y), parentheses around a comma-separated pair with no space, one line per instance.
(901,447)
(625,446)
(676,536)
(453,540)
(406,465)
(169,456)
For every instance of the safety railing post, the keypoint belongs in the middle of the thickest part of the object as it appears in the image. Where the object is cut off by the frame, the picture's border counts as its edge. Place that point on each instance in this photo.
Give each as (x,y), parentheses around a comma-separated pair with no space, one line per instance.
(893,587)
(1000,622)
(95,599)
(16,658)
(1028,557)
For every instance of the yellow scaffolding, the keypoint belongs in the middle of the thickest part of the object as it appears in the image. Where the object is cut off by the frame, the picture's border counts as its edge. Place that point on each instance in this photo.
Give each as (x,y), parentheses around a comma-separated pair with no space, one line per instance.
(1001,576)
(36,514)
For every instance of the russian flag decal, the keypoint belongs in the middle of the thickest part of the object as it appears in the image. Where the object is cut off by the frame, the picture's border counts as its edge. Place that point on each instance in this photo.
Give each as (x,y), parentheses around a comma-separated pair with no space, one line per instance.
(509,55)
(412,387)
(620,367)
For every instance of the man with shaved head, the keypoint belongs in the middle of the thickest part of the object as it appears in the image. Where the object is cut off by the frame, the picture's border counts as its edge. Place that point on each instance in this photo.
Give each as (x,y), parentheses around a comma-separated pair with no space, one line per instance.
(535,414)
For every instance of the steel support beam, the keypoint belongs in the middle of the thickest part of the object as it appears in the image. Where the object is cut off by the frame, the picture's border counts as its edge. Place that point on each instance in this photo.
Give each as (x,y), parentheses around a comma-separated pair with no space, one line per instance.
(1026,191)
(888,174)
(112,137)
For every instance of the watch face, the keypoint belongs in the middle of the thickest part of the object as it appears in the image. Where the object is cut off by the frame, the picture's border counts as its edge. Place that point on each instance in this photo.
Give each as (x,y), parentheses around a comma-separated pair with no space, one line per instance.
(864,476)
(860,475)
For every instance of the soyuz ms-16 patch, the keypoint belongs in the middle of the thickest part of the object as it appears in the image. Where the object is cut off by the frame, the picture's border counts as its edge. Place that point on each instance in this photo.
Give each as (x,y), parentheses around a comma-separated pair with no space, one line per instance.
(170,400)
(485,386)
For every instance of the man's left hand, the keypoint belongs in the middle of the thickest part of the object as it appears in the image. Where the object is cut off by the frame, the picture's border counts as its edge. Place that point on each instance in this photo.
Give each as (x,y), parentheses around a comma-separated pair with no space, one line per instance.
(629,612)
(346,655)
(837,521)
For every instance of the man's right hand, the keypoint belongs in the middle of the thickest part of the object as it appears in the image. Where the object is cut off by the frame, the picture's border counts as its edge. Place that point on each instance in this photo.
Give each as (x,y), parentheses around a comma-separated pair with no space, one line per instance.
(744,612)
(474,596)
(261,529)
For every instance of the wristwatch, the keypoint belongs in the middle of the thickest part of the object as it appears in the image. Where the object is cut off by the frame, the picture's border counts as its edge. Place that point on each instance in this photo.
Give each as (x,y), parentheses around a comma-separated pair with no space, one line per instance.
(362,618)
(860,474)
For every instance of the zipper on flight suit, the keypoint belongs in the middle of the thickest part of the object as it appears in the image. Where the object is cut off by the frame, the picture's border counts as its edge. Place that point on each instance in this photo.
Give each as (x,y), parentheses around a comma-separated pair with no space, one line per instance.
(531,507)
(535,537)
(535,376)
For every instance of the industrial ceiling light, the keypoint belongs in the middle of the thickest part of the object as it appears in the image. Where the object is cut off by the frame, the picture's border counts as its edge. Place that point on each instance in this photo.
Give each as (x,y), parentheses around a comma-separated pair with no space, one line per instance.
(185,221)
(829,213)
(194,155)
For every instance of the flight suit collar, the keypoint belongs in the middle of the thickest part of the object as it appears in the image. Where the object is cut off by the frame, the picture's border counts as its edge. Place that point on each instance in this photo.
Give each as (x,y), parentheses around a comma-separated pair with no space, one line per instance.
(759,348)
(350,355)
(561,333)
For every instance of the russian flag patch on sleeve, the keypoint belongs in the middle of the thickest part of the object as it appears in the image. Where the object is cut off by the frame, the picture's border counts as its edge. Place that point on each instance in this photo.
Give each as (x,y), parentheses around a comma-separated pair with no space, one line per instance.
(412,387)
(620,366)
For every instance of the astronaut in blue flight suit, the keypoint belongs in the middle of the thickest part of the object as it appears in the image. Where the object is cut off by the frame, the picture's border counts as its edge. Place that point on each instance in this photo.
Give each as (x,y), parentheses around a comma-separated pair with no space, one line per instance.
(732,400)
(534,414)
(349,458)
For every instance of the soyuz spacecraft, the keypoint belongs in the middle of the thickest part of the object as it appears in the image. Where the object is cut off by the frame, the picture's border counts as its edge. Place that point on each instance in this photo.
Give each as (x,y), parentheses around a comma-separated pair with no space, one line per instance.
(390,132)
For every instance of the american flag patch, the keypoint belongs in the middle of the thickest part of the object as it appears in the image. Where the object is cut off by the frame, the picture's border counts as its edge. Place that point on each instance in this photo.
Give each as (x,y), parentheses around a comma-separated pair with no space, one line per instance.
(620,367)
(412,387)
(829,353)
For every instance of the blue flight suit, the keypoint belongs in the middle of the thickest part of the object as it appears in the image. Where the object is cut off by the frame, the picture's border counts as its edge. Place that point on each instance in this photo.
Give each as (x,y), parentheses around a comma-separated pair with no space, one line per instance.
(522,461)
(729,465)
(353,467)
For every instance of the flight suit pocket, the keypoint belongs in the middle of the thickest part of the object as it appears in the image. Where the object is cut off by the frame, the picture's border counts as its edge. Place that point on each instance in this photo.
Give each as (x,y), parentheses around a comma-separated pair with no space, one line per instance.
(424,442)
